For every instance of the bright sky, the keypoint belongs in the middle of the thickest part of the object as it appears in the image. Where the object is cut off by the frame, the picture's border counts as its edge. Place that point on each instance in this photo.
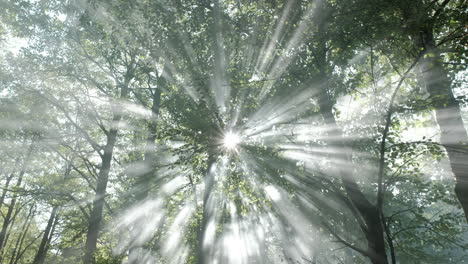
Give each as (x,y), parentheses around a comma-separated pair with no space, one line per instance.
(13,44)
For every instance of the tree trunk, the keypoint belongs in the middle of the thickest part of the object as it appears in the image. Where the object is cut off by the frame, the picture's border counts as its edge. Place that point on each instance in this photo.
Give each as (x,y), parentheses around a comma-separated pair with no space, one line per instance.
(143,181)
(41,252)
(7,183)
(453,133)
(95,217)
(51,233)
(8,232)
(98,203)
(142,186)
(209,181)
(370,214)
(11,207)
(373,230)
(19,242)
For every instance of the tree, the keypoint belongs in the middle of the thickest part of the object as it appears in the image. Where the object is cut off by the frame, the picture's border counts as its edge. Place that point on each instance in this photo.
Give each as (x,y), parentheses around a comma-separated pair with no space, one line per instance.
(231,131)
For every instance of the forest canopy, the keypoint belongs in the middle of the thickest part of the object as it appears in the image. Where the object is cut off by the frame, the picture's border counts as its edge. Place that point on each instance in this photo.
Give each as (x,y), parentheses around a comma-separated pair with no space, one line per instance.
(233,131)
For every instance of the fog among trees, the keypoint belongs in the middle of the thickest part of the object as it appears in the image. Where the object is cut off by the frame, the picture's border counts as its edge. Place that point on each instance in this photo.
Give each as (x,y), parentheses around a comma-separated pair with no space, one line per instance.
(233,131)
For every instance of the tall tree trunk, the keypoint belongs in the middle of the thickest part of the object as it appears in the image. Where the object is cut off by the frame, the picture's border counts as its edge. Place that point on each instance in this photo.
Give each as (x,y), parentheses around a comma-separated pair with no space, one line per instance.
(7,220)
(142,186)
(11,224)
(7,183)
(98,203)
(19,242)
(370,214)
(142,182)
(209,181)
(453,133)
(41,252)
(51,233)
(103,176)
(373,229)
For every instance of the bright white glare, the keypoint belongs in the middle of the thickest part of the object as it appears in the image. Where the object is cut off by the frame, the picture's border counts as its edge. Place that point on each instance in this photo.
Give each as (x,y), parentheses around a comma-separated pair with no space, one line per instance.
(231,140)
(273,193)
(62,17)
(14,44)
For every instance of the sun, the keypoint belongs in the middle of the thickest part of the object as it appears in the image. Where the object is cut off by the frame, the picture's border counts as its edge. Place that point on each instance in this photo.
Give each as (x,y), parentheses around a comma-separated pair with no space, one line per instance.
(231,140)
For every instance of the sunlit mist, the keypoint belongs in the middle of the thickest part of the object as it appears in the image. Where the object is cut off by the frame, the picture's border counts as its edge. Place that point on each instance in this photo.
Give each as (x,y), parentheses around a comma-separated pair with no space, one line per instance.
(231,132)
(231,140)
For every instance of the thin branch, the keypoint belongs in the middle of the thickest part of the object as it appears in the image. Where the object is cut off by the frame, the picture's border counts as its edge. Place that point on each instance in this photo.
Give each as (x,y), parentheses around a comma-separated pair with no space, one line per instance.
(380,187)
(88,138)
(342,241)
(439,10)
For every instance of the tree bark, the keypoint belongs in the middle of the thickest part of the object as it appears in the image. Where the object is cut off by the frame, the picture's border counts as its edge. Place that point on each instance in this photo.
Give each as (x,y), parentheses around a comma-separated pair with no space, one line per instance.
(51,233)
(98,203)
(209,181)
(370,214)
(143,181)
(7,183)
(453,133)
(7,220)
(15,255)
(373,230)
(41,252)
(142,187)
(103,177)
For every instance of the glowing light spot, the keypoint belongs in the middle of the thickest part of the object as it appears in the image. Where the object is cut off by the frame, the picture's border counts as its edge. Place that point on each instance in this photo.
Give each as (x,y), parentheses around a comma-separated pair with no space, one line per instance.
(273,193)
(231,140)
